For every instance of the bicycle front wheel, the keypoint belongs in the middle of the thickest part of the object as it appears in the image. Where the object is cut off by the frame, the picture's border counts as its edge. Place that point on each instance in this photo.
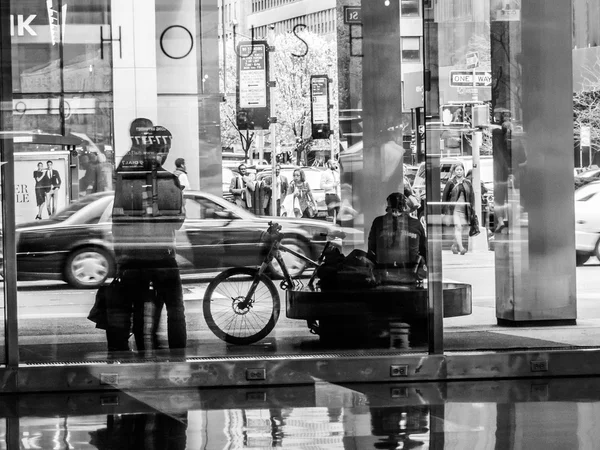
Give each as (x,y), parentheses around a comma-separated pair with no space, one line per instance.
(233,318)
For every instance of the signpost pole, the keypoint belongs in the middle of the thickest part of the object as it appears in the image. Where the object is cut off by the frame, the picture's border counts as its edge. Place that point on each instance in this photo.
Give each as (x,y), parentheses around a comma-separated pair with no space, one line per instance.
(275,194)
(585,143)
(477,243)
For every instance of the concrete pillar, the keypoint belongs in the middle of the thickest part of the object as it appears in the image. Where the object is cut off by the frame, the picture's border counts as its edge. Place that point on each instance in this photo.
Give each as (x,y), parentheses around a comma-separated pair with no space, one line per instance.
(209,99)
(178,71)
(382,107)
(535,251)
(134,66)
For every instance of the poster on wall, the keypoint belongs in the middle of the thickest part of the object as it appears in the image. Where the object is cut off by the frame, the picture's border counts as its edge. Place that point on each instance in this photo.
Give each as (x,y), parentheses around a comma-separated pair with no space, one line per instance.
(41,184)
(506,10)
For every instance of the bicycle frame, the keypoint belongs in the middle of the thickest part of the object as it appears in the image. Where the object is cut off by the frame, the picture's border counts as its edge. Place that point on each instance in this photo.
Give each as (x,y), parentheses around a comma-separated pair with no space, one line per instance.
(275,253)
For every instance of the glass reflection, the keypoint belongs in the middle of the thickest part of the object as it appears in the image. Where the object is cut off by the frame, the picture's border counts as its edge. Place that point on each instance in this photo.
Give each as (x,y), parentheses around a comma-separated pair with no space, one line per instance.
(73,103)
(503,414)
(68,89)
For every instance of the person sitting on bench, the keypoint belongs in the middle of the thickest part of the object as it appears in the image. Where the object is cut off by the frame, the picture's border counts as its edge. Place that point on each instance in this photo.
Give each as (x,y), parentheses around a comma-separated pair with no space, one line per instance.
(397,242)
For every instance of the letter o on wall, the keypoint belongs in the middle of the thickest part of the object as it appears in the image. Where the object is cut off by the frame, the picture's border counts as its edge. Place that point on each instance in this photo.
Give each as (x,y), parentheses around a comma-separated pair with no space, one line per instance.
(170,39)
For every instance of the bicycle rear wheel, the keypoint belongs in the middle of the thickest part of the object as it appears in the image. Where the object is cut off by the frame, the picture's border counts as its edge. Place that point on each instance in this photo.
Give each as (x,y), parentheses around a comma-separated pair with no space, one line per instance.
(230,317)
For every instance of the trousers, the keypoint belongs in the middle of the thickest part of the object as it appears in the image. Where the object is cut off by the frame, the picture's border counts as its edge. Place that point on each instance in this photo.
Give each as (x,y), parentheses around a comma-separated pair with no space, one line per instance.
(138,280)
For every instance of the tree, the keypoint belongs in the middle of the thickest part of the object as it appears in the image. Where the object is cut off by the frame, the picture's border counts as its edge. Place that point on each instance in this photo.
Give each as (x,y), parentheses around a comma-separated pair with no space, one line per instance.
(230,132)
(292,93)
(316,56)
(586,105)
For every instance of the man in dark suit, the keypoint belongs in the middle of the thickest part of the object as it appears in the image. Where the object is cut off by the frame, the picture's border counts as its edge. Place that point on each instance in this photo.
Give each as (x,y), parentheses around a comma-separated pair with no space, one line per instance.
(55,183)
(242,187)
(282,183)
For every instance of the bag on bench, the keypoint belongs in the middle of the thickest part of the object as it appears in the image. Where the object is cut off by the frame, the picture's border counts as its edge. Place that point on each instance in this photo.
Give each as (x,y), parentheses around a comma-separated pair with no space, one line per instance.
(353,271)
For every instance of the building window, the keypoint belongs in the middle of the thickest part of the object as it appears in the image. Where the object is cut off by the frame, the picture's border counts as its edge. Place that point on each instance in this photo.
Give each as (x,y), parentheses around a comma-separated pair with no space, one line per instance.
(409,8)
(411,49)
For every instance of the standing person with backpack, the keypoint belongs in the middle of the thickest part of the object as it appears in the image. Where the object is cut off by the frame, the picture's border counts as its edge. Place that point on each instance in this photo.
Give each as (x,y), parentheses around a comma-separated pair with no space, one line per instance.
(397,241)
(148,210)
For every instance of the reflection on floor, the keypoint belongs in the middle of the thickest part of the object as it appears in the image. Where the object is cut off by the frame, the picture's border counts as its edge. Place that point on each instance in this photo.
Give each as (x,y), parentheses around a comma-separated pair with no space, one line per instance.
(298,341)
(505,414)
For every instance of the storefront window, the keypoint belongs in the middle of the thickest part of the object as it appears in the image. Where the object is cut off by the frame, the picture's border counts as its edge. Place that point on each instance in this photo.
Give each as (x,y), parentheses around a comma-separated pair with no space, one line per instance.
(415,194)
(197,100)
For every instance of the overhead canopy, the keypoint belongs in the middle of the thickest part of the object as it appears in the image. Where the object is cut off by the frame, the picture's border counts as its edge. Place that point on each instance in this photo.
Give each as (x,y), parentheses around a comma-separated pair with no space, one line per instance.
(41,138)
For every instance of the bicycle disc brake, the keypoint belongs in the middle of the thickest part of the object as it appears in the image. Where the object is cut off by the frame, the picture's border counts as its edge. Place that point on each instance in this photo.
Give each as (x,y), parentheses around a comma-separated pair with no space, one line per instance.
(240,305)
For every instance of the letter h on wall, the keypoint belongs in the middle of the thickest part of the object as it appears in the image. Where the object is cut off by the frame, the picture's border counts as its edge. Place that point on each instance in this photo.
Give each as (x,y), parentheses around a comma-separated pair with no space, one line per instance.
(110,39)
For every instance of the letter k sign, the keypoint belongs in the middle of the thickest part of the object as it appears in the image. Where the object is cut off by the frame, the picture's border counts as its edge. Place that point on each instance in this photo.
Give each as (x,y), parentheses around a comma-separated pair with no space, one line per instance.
(23,25)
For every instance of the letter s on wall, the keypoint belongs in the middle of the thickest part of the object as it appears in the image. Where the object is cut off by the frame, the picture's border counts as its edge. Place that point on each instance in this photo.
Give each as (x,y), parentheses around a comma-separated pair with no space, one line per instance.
(305,44)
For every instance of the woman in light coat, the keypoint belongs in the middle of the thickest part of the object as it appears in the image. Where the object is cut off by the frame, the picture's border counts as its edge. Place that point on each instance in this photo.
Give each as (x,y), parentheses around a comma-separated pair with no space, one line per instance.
(300,190)
(459,200)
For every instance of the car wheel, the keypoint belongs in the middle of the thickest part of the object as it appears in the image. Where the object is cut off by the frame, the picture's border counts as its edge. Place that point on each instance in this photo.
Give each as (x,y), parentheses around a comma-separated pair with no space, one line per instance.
(581,258)
(88,267)
(295,265)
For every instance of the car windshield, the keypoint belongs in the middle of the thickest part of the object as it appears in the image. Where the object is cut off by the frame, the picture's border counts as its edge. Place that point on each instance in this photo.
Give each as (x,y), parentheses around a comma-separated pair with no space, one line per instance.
(70,210)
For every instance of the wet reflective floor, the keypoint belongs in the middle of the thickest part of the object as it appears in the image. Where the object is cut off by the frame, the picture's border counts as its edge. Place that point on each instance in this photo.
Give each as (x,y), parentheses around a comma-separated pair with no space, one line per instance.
(506,414)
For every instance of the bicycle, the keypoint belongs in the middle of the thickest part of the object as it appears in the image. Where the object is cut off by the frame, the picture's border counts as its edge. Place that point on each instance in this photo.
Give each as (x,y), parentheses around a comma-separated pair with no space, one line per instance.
(241,305)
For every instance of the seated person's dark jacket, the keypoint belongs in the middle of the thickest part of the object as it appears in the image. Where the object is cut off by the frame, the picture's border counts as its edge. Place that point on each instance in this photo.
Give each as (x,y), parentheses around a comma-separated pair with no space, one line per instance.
(396,245)
(142,234)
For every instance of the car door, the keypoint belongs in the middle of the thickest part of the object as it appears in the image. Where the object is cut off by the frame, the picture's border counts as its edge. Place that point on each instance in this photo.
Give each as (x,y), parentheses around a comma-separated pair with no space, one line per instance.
(587,209)
(215,235)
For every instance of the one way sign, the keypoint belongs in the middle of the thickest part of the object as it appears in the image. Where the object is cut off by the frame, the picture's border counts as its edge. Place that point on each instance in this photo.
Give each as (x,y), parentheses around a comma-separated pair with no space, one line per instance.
(466,78)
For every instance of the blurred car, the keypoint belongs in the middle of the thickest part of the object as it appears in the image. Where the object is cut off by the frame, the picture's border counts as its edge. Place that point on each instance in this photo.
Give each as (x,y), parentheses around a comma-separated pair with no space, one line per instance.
(313,178)
(75,245)
(587,176)
(587,222)
(227,176)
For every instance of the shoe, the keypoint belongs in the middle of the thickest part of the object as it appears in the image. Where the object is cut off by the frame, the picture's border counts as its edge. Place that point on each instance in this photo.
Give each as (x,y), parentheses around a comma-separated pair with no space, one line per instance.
(38,217)
(463,251)
(454,249)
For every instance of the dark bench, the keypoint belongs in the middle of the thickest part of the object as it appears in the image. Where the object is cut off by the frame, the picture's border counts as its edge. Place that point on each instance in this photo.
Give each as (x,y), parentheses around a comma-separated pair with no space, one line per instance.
(362,316)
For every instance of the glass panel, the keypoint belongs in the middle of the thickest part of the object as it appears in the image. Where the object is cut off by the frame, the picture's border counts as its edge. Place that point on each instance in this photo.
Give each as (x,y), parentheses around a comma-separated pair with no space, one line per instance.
(113,119)
(409,8)
(63,133)
(488,134)
(411,49)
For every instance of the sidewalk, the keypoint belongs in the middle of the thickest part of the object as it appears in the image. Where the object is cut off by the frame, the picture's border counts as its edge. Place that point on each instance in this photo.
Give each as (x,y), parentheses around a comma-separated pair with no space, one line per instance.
(480,331)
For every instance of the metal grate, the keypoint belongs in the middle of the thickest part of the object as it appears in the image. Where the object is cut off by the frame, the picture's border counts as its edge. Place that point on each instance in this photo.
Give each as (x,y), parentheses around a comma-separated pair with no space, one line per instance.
(170,359)
(288,357)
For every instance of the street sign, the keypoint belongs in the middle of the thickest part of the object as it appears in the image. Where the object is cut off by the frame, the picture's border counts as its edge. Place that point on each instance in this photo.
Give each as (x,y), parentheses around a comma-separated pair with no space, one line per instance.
(319,93)
(253,76)
(352,14)
(253,98)
(472,60)
(470,78)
